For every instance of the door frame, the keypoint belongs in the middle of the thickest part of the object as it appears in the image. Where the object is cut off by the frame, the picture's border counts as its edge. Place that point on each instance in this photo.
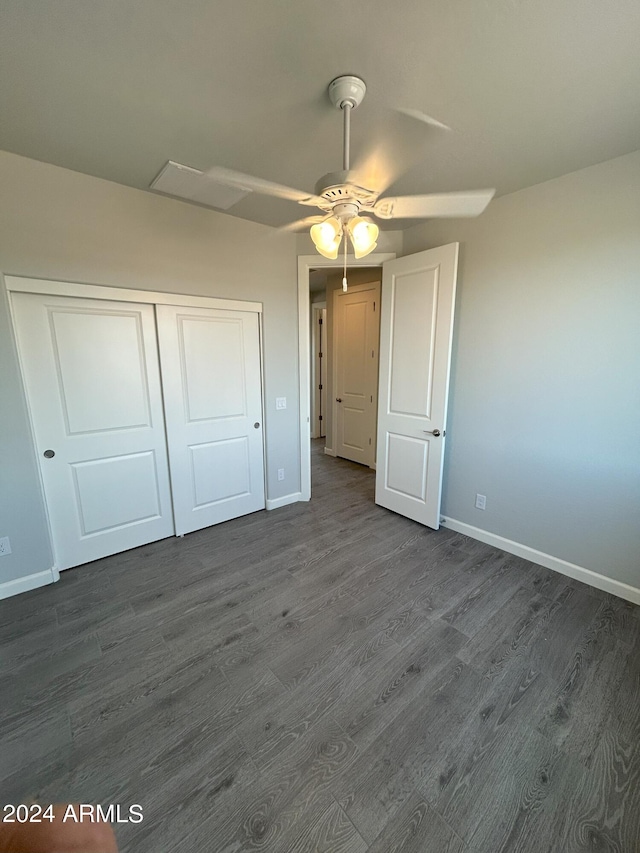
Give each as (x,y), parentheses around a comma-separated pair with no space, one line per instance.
(52,287)
(318,336)
(305,264)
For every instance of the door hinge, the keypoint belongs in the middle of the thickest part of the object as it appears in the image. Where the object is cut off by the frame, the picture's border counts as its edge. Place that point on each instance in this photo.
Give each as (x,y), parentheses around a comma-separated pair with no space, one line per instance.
(372,354)
(319,355)
(319,387)
(372,398)
(320,320)
(374,306)
(319,417)
(369,441)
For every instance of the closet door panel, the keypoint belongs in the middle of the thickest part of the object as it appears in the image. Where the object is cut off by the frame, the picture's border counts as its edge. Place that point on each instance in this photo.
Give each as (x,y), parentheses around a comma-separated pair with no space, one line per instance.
(92,378)
(213,409)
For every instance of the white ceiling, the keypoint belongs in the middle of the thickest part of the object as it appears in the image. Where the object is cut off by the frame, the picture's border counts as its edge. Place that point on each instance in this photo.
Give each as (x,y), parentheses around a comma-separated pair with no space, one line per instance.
(116,88)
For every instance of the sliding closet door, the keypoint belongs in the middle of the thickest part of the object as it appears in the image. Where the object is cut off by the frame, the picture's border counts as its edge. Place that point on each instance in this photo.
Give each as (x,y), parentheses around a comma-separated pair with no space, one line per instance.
(92,378)
(213,408)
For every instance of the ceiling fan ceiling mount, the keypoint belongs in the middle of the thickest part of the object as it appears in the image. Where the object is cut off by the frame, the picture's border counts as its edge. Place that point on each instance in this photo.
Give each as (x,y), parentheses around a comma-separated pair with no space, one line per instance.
(347,90)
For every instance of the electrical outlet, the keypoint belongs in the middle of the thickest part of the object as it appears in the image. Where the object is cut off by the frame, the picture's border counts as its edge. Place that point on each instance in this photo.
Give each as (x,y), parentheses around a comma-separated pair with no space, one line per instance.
(281,473)
(281,402)
(5,546)
(481,501)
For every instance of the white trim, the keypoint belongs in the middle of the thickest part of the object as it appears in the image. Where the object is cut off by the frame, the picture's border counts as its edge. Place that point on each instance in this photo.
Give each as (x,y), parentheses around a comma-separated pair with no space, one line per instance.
(306,263)
(317,331)
(571,570)
(276,503)
(329,451)
(20,284)
(24,584)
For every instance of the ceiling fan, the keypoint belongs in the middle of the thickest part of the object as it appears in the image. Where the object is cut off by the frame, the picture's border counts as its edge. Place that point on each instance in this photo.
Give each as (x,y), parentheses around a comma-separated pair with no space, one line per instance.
(343,201)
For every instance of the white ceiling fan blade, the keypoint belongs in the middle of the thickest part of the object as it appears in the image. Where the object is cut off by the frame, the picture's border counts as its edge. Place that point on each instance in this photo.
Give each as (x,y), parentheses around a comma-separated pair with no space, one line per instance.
(423,117)
(399,144)
(470,203)
(301,224)
(258,185)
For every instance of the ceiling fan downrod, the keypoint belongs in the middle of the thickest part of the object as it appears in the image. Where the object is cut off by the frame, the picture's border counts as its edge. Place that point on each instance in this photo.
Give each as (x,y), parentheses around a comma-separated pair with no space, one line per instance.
(347,92)
(346,134)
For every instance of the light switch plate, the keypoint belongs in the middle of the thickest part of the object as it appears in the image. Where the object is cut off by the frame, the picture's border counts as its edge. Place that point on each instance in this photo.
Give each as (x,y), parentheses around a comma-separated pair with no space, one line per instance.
(281,402)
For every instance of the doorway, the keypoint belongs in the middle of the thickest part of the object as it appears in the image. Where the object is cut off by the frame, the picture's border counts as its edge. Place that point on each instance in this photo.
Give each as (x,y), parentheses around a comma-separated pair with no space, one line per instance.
(318,279)
(416,319)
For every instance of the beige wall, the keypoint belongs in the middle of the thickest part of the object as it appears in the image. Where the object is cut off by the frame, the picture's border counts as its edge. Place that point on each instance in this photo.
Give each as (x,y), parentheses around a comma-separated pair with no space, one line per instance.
(59,224)
(545,391)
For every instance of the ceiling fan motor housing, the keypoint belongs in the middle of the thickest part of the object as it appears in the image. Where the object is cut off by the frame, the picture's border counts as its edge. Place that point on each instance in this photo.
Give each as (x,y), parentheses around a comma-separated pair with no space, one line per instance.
(338,188)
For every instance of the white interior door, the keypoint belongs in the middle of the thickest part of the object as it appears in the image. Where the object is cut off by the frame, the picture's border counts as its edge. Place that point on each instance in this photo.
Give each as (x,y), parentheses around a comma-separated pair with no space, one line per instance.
(92,378)
(213,407)
(356,339)
(418,298)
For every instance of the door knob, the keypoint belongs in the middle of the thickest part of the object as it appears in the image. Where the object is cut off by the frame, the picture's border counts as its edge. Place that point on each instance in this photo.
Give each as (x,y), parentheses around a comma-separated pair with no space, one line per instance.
(256,425)
(49,454)
(338,399)
(434,432)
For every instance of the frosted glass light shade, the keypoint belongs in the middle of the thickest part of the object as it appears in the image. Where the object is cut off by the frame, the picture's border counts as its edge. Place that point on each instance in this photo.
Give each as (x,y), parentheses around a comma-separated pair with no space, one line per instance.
(364,235)
(327,237)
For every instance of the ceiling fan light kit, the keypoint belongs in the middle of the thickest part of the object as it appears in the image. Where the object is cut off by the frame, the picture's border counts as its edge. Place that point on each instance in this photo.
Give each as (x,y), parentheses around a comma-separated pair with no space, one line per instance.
(364,235)
(327,236)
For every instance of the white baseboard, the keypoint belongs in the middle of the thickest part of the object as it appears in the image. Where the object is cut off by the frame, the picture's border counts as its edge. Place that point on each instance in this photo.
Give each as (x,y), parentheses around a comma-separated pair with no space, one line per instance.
(329,451)
(571,570)
(276,503)
(15,587)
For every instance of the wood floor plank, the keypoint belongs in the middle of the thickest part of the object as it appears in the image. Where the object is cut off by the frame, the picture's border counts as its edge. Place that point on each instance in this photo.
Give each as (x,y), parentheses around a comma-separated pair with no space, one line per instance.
(189,779)
(576,715)
(327,636)
(508,632)
(524,799)
(498,777)
(416,828)
(570,615)
(387,771)
(46,684)
(274,728)
(333,832)
(506,708)
(365,712)
(470,614)
(602,810)
(32,738)
(271,814)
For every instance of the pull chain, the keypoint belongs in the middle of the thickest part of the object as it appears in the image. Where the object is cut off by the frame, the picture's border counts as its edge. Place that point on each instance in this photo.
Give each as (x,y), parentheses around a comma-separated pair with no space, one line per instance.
(344,275)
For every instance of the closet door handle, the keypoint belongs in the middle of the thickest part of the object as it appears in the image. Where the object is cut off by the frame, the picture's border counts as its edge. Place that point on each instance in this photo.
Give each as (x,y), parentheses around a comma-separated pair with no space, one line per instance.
(49,454)
(256,425)
(338,399)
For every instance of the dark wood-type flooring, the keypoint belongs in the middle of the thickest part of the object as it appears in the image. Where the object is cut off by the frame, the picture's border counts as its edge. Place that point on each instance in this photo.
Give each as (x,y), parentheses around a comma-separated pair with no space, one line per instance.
(328,677)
